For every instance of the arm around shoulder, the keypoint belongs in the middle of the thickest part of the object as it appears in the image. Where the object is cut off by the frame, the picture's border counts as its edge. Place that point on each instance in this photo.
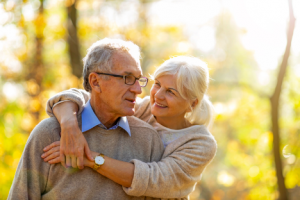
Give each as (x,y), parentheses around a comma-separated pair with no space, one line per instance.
(177,173)
(78,96)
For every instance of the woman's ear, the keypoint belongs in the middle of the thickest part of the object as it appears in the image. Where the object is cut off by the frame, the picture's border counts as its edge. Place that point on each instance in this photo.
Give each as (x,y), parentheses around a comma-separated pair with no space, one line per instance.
(195,103)
(192,105)
(94,81)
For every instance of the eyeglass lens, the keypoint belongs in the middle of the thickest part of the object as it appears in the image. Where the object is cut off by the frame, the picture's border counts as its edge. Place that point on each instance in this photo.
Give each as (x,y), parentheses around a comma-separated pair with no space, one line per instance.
(130,80)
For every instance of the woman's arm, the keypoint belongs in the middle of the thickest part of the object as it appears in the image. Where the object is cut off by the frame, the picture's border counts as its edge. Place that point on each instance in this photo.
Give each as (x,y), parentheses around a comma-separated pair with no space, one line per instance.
(176,174)
(118,171)
(73,143)
(78,96)
(65,106)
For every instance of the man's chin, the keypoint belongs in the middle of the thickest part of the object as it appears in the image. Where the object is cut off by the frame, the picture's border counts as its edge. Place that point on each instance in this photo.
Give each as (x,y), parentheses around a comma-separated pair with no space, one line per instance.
(129,112)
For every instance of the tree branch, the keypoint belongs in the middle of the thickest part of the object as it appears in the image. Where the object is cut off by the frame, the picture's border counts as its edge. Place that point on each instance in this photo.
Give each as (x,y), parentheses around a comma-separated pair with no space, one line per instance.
(275,104)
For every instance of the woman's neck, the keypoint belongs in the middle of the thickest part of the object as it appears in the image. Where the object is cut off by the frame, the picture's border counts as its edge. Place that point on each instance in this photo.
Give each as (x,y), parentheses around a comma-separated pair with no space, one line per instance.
(173,124)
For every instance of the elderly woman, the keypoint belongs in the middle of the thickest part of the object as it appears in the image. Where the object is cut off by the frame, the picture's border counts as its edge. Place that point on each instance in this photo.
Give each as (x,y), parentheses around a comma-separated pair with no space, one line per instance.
(180,112)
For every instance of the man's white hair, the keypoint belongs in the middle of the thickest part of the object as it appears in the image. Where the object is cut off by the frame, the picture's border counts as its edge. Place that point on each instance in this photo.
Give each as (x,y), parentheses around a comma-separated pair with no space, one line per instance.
(98,57)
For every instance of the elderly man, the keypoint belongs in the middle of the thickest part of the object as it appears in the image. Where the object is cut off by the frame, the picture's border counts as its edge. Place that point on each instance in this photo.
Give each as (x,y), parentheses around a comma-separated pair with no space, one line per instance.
(112,75)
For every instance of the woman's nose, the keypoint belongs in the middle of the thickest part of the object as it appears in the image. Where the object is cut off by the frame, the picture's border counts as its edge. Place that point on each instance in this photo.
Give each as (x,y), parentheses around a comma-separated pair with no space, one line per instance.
(159,94)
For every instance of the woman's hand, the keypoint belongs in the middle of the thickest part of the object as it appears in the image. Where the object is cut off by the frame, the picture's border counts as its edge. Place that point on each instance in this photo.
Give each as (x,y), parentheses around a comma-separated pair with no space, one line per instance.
(52,155)
(73,144)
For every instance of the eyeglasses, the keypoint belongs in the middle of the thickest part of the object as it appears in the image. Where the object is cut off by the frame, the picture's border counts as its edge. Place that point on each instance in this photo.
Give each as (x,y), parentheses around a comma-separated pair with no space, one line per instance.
(129,79)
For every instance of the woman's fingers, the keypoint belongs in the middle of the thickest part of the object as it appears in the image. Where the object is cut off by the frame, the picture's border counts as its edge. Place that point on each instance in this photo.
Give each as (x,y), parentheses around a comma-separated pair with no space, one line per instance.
(74,161)
(62,155)
(80,158)
(68,161)
(88,152)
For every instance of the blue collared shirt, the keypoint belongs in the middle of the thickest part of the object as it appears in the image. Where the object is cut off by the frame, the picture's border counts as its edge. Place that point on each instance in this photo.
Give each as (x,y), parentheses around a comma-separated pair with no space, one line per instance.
(90,120)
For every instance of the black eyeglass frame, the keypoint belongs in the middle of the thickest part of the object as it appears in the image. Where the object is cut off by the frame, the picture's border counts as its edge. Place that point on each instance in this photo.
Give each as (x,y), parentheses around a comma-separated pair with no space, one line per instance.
(124,77)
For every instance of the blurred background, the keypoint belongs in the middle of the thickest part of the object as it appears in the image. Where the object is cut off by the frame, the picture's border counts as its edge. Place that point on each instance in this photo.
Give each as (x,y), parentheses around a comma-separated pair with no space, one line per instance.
(246,44)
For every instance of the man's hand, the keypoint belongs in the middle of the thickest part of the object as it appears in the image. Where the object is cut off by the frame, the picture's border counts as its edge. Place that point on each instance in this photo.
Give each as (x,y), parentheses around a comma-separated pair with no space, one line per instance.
(52,153)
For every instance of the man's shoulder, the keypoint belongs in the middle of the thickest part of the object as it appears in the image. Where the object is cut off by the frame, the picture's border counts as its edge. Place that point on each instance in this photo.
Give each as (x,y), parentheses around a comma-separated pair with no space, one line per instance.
(135,122)
(50,123)
(46,127)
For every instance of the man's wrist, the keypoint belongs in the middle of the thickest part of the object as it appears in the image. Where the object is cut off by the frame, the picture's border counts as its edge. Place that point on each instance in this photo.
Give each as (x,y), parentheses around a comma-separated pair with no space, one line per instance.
(90,164)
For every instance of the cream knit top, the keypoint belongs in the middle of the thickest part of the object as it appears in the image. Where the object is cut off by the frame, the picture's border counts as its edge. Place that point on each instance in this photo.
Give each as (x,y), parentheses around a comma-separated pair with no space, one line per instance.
(187,152)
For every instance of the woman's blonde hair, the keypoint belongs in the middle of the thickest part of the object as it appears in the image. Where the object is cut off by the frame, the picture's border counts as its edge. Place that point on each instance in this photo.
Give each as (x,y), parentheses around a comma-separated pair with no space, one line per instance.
(192,83)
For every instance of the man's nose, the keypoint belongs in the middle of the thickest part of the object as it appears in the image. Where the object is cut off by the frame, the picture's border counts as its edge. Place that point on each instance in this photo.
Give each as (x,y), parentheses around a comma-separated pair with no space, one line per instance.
(136,88)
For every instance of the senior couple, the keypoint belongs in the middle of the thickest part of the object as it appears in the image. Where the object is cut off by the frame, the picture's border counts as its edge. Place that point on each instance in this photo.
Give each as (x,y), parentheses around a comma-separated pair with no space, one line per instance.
(106,143)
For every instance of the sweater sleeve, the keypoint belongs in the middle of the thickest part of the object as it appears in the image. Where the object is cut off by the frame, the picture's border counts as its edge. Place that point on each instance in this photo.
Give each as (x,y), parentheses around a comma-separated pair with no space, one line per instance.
(31,177)
(78,96)
(175,175)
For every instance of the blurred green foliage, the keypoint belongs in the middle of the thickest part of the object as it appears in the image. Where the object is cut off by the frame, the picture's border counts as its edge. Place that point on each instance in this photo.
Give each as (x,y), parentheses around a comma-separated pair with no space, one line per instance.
(243,167)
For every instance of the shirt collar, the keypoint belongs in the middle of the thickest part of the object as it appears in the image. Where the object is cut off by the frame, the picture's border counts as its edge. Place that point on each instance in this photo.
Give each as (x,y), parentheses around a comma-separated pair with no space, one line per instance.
(90,120)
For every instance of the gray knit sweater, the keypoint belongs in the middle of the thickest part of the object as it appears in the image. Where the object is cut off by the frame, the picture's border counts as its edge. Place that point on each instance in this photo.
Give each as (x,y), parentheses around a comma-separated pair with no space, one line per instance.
(186,155)
(36,179)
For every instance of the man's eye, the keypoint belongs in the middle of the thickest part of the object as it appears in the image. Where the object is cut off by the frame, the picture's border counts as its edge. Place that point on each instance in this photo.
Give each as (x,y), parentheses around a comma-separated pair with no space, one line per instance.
(131,78)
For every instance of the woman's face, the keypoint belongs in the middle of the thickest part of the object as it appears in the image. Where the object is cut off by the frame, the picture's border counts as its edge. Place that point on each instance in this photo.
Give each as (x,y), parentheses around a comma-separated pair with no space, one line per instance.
(166,102)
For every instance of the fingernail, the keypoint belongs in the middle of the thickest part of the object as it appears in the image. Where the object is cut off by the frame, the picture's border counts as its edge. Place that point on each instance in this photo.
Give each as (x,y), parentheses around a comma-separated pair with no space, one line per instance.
(45,149)
(43,155)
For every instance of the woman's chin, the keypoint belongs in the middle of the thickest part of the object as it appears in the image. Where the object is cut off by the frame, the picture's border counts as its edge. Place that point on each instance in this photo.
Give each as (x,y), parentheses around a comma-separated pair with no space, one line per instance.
(158,112)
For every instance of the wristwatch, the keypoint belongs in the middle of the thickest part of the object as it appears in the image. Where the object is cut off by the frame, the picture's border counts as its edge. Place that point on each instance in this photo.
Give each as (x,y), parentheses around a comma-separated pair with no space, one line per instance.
(99,160)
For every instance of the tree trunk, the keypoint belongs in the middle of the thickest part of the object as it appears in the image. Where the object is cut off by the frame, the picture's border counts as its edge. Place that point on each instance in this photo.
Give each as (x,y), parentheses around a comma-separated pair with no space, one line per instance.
(73,44)
(283,195)
(36,70)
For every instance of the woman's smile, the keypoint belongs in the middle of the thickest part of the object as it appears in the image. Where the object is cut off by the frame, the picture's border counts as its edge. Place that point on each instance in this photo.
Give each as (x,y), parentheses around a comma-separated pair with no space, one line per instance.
(160,105)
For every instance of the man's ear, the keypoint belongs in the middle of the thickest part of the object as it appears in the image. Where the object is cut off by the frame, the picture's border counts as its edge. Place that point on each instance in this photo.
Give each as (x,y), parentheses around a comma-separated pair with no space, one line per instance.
(94,81)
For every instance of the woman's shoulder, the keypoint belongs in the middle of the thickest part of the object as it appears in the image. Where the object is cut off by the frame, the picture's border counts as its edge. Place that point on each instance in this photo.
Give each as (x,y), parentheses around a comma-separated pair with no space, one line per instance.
(201,134)
(196,137)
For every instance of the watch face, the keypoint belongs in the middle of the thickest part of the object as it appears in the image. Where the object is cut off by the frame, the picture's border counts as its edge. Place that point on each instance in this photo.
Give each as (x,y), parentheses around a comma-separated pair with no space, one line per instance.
(99,160)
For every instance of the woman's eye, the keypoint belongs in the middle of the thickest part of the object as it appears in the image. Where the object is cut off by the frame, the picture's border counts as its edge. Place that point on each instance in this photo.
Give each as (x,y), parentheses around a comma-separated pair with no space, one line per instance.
(170,92)
(157,84)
